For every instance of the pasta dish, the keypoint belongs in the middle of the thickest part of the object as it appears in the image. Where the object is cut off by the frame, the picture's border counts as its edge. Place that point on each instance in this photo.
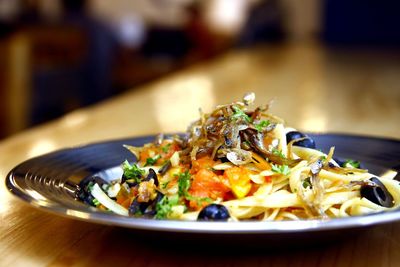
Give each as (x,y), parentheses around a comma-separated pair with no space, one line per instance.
(236,164)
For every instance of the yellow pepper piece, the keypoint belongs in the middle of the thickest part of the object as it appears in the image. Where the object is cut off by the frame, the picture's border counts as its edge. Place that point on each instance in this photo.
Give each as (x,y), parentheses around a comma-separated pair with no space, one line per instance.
(239,180)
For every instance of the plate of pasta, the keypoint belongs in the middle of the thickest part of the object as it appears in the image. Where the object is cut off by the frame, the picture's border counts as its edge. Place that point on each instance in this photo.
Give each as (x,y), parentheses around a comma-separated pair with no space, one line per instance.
(236,169)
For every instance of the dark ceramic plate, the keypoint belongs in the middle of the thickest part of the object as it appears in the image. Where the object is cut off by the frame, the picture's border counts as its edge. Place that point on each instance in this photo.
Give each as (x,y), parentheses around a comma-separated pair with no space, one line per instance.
(49,182)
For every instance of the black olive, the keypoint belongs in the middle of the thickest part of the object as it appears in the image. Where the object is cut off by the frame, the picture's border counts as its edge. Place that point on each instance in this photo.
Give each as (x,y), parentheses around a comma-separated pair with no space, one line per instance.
(377,193)
(145,209)
(331,165)
(151,210)
(307,142)
(83,191)
(137,208)
(224,159)
(152,175)
(214,212)
(131,182)
(165,168)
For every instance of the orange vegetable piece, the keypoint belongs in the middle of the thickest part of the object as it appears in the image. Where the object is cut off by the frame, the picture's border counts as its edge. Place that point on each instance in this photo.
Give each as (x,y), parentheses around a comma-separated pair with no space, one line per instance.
(203,163)
(239,180)
(205,184)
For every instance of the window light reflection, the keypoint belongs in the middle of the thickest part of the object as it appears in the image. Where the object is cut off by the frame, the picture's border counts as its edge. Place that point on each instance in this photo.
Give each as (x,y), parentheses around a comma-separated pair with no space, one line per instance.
(40,147)
(77,214)
(74,119)
(37,196)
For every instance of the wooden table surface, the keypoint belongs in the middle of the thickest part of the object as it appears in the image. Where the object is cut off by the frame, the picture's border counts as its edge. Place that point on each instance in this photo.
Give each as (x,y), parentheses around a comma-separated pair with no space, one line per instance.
(315,89)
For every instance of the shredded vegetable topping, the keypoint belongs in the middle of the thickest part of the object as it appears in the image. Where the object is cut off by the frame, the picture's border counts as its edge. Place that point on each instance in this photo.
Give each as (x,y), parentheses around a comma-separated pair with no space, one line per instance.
(240,164)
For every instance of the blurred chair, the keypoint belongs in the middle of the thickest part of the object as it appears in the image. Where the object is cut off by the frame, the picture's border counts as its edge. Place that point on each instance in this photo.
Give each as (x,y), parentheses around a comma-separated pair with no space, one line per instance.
(58,69)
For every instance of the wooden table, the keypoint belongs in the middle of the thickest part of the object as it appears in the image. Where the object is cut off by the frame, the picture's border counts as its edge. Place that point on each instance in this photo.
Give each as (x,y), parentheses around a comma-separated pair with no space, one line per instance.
(315,89)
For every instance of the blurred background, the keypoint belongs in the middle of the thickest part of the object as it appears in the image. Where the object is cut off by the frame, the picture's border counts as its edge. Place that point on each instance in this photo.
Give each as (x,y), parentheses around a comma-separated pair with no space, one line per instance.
(60,55)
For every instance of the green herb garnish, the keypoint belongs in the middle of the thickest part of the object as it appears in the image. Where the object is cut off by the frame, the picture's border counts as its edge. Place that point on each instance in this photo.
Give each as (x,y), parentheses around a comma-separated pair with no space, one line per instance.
(351,163)
(183,188)
(281,169)
(95,202)
(152,161)
(199,200)
(240,114)
(278,152)
(183,184)
(165,148)
(164,207)
(164,185)
(90,186)
(261,125)
(307,183)
(132,171)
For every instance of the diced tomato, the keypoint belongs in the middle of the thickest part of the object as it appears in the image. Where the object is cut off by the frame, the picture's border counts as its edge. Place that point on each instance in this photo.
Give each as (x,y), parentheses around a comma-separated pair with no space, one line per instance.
(206,183)
(167,149)
(239,180)
(163,152)
(268,179)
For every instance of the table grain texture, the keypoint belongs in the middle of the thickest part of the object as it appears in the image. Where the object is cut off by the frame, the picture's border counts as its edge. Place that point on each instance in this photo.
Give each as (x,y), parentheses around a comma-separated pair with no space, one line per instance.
(314,88)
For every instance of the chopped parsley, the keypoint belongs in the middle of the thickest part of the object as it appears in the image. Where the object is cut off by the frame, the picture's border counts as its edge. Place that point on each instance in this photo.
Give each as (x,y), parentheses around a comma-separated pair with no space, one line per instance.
(165,148)
(152,161)
(183,188)
(132,171)
(164,185)
(96,202)
(240,114)
(281,169)
(307,183)
(278,152)
(261,125)
(90,186)
(164,207)
(183,184)
(351,163)
(199,200)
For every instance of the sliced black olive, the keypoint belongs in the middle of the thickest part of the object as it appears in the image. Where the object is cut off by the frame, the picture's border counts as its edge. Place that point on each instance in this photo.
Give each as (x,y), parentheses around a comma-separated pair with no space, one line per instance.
(137,208)
(307,142)
(131,182)
(152,175)
(145,209)
(83,192)
(165,168)
(151,209)
(331,165)
(214,212)
(377,193)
